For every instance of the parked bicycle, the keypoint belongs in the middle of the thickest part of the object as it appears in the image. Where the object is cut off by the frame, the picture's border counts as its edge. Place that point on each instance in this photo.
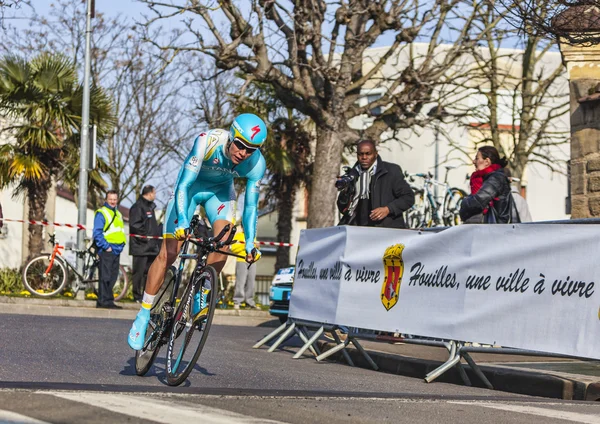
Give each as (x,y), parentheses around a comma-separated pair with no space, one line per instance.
(427,210)
(47,275)
(172,321)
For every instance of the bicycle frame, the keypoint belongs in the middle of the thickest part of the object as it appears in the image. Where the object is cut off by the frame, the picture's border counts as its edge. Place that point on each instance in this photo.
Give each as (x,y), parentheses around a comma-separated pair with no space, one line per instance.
(202,261)
(81,280)
(55,251)
(431,202)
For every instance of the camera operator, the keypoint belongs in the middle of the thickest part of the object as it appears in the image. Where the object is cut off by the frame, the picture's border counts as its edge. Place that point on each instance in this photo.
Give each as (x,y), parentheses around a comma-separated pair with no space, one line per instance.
(373,193)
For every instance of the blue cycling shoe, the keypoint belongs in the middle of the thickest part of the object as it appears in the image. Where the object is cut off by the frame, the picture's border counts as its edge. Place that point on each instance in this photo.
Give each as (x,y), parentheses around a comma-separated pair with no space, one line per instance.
(137,334)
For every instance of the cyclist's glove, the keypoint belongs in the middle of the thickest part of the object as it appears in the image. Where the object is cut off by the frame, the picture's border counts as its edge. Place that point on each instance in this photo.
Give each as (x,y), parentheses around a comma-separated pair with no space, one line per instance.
(180,233)
(255,254)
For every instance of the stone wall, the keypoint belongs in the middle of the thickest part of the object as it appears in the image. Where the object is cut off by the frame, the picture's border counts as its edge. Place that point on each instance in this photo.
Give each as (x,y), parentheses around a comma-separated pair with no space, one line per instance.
(583,67)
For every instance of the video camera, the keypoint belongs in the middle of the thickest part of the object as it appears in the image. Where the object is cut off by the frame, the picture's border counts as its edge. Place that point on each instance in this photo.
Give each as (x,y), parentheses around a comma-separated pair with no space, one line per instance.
(345,180)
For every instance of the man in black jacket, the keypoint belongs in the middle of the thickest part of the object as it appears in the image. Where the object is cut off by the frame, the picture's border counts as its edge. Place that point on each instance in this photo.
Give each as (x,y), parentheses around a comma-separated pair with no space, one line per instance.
(373,193)
(142,221)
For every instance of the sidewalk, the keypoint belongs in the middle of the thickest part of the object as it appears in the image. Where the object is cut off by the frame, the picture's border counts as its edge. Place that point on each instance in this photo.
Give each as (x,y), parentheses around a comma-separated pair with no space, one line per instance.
(87,308)
(559,378)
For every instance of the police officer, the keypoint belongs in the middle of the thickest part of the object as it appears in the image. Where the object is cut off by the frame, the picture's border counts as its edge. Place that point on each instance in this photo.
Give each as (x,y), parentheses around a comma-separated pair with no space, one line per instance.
(109,237)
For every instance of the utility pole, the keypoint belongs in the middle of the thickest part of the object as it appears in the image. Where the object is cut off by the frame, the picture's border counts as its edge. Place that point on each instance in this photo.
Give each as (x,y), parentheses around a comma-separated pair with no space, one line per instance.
(85,141)
(438,113)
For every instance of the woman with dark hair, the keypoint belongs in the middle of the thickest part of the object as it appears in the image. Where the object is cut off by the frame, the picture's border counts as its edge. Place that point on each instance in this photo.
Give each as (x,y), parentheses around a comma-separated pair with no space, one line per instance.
(490,189)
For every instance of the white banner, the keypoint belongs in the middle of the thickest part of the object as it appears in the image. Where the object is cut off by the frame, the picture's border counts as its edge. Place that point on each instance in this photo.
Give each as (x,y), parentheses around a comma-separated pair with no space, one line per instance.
(522,286)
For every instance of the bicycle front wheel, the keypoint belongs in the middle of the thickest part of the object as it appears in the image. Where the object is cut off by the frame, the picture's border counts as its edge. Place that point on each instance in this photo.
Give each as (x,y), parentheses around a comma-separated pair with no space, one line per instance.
(44,276)
(145,357)
(190,331)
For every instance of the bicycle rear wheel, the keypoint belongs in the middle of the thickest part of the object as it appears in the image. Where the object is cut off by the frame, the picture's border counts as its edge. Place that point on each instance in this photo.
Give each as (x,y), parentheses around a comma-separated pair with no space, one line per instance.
(121,285)
(452,204)
(41,279)
(120,288)
(189,333)
(145,357)
(414,217)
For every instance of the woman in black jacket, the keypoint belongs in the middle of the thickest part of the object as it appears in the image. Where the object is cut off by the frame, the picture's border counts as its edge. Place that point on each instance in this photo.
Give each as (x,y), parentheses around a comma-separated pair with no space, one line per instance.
(490,189)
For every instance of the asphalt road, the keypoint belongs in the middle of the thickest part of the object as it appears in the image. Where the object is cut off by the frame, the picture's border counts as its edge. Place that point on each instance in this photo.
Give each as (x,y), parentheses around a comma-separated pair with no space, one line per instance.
(73,370)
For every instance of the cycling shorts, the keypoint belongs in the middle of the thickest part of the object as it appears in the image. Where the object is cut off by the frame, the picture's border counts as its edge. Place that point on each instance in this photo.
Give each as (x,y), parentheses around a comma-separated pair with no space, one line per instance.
(218,202)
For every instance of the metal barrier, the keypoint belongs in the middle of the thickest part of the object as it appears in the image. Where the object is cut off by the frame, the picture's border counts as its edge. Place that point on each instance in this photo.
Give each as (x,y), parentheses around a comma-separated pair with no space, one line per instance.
(302,329)
(457,350)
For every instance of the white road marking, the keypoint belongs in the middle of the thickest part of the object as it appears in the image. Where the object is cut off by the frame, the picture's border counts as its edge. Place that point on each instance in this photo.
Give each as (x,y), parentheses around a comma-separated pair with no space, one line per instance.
(542,412)
(159,410)
(9,417)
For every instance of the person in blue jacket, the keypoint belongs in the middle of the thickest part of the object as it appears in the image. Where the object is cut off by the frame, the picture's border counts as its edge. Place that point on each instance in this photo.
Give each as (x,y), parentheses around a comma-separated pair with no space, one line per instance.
(109,237)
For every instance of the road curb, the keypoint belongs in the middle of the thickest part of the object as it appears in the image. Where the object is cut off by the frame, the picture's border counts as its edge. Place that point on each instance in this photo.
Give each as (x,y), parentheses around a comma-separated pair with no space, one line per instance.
(527,382)
(87,309)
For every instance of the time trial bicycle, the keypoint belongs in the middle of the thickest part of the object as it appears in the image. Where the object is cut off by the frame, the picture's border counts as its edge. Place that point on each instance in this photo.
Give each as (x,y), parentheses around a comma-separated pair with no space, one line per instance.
(172,321)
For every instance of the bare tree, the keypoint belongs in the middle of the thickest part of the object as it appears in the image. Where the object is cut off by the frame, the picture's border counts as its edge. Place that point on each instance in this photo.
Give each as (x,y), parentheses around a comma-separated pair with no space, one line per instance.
(152,124)
(314,56)
(153,119)
(525,87)
(209,91)
(62,29)
(10,4)
(568,21)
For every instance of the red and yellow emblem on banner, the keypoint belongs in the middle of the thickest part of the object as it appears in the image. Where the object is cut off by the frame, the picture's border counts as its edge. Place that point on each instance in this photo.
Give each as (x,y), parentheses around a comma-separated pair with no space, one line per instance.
(393,268)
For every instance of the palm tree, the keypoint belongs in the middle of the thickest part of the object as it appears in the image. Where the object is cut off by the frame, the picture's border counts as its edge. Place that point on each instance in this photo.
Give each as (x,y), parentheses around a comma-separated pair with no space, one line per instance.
(42,100)
(287,153)
(289,168)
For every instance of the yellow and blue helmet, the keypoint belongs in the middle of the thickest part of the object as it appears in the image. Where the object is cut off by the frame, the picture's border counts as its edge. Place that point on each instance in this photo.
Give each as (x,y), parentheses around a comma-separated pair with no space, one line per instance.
(248,129)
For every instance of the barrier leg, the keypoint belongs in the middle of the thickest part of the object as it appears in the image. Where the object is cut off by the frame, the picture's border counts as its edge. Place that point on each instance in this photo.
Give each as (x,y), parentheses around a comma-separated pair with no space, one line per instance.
(364,353)
(342,347)
(453,359)
(461,370)
(308,343)
(283,337)
(314,347)
(477,370)
(345,343)
(270,336)
(452,346)
(300,332)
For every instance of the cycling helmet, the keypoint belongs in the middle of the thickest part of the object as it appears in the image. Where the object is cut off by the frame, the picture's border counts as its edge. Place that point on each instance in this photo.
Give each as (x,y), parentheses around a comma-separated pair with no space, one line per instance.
(249,129)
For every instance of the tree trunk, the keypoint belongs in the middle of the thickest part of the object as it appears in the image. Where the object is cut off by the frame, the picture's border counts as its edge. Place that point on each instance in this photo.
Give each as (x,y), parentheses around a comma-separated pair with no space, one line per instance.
(517,167)
(328,158)
(284,223)
(37,195)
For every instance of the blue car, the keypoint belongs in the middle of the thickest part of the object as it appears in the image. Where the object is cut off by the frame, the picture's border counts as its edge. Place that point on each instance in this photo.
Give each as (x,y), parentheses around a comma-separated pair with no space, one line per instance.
(281,290)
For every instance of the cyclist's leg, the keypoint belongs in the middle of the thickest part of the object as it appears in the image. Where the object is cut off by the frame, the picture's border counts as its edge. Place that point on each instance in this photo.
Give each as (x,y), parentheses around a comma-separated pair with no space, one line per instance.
(220,209)
(166,256)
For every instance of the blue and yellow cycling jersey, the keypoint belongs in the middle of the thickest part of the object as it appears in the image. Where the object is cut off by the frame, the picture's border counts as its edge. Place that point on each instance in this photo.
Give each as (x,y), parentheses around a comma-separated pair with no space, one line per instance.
(206,178)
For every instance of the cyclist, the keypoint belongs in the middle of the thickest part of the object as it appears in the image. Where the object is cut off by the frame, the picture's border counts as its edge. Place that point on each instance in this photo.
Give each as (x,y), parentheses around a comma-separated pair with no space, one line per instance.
(206,178)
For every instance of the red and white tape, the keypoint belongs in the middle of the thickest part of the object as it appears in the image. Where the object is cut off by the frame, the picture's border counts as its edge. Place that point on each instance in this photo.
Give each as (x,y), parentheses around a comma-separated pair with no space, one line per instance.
(81,227)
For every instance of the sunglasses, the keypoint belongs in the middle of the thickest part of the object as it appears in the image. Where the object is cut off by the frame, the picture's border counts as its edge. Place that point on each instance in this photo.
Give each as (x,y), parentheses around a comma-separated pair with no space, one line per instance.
(240,145)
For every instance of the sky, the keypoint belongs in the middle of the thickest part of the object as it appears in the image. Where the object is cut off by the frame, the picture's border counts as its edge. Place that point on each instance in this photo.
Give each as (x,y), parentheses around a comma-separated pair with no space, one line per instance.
(110,7)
